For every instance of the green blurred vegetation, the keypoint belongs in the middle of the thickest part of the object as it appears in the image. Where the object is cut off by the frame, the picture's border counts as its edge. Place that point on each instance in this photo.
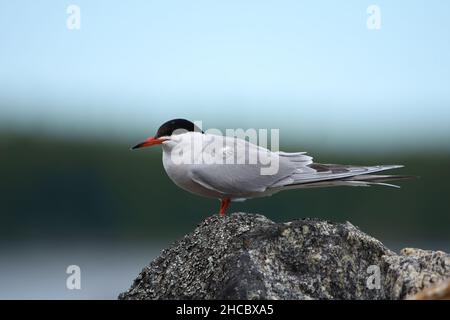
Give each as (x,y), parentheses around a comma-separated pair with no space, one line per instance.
(60,188)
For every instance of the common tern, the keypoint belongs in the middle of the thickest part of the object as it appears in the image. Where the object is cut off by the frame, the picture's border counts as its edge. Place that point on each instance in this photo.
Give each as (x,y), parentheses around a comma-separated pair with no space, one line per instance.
(231,177)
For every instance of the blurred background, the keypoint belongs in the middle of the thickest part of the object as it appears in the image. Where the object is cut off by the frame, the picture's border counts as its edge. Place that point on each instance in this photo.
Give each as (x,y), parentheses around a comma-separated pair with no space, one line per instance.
(72,102)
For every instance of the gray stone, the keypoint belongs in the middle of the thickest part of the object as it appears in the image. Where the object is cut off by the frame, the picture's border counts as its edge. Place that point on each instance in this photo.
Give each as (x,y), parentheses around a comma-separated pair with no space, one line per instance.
(247,256)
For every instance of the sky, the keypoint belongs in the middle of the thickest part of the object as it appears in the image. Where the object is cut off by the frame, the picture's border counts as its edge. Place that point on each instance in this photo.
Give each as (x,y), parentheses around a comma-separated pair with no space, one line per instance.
(310,68)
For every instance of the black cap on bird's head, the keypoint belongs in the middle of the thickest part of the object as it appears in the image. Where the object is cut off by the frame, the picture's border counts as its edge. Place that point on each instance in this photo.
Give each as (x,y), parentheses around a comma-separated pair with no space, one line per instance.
(175,126)
(168,128)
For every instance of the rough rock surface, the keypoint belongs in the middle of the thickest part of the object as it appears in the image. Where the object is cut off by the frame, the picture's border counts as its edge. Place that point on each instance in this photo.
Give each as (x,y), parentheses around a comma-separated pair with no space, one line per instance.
(247,256)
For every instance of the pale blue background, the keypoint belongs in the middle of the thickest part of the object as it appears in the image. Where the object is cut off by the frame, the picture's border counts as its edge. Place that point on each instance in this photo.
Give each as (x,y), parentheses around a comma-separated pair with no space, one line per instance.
(311,68)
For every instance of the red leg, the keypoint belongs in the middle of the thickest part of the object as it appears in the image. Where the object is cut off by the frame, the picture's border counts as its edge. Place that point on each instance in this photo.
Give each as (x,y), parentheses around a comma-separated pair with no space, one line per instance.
(224,203)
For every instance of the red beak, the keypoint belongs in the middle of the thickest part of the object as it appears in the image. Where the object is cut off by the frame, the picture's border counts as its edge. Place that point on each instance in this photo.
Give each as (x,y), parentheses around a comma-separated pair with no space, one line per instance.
(149,142)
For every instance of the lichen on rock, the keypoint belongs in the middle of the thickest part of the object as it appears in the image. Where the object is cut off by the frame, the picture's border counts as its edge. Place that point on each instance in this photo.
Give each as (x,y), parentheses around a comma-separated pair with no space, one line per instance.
(247,256)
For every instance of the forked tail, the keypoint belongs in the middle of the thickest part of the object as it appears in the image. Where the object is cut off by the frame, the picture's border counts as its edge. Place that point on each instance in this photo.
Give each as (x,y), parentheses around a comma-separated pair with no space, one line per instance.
(328,175)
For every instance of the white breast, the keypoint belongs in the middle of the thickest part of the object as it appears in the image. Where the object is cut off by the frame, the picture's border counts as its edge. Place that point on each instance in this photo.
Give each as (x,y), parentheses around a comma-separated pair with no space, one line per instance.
(179,158)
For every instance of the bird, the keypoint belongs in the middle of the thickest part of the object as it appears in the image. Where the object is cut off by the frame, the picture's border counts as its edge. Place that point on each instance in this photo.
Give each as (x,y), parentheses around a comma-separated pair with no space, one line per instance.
(188,151)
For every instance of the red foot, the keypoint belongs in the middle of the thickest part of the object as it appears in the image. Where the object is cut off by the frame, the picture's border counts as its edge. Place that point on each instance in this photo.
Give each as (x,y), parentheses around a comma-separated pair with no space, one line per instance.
(224,203)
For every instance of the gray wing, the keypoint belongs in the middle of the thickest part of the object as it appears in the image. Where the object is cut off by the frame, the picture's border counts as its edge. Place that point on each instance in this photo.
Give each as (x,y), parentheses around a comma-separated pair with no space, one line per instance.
(295,170)
(326,175)
(237,176)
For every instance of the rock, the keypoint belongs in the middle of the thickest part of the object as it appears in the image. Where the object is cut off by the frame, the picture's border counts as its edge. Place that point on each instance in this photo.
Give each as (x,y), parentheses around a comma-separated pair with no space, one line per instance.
(247,256)
(440,291)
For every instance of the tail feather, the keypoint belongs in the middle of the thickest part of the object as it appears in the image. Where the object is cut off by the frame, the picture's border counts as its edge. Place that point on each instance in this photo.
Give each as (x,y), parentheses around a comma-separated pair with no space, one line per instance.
(379,177)
(380,180)
(328,175)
